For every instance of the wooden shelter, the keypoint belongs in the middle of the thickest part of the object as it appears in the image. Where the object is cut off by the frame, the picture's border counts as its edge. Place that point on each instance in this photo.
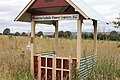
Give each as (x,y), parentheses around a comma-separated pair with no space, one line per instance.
(50,12)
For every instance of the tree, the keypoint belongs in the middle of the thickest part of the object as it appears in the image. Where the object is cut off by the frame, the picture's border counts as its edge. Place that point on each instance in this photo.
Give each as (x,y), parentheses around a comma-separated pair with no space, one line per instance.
(67,34)
(85,35)
(91,35)
(117,24)
(100,36)
(61,34)
(40,33)
(114,36)
(6,31)
(113,33)
(23,34)
(17,34)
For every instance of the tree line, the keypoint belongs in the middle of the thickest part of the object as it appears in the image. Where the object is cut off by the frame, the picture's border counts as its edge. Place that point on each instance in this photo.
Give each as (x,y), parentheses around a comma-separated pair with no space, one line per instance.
(113,35)
(62,34)
(8,32)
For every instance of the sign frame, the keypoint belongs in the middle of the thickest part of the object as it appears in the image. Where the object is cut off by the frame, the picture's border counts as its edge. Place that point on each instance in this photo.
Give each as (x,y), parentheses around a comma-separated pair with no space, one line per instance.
(55,17)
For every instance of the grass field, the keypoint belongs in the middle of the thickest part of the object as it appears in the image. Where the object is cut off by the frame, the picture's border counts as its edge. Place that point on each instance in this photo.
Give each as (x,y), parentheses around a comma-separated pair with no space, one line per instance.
(11,48)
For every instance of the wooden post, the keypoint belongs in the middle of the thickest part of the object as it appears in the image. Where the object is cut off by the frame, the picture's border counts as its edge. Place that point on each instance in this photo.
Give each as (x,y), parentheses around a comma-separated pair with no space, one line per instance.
(62,69)
(39,67)
(79,42)
(95,36)
(54,68)
(56,49)
(32,45)
(70,68)
(46,68)
(56,37)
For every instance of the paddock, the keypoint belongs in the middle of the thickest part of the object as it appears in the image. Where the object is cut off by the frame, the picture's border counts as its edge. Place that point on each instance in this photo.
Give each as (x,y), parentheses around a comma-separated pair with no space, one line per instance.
(46,65)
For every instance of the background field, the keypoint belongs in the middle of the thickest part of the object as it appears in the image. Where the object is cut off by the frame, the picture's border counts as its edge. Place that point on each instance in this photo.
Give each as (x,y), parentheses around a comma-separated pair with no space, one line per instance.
(12,49)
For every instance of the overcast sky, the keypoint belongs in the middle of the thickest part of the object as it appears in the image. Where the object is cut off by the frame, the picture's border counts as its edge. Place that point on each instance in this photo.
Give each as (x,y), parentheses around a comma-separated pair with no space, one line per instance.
(9,9)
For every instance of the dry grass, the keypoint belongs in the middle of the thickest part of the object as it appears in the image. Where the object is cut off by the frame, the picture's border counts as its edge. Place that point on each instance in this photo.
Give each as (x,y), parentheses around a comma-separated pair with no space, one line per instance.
(11,48)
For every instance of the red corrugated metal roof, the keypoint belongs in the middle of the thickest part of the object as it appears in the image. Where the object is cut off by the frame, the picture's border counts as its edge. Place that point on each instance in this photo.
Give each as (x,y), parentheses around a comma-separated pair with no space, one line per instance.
(43,5)
(49,3)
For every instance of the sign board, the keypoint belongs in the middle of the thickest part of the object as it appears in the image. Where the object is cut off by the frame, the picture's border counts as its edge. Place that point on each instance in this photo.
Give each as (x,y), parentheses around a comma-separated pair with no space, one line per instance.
(56,17)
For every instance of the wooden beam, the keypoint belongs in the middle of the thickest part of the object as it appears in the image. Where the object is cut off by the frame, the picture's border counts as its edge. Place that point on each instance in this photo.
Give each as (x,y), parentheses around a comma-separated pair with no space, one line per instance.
(56,49)
(79,42)
(32,45)
(54,13)
(77,9)
(24,10)
(56,37)
(95,36)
